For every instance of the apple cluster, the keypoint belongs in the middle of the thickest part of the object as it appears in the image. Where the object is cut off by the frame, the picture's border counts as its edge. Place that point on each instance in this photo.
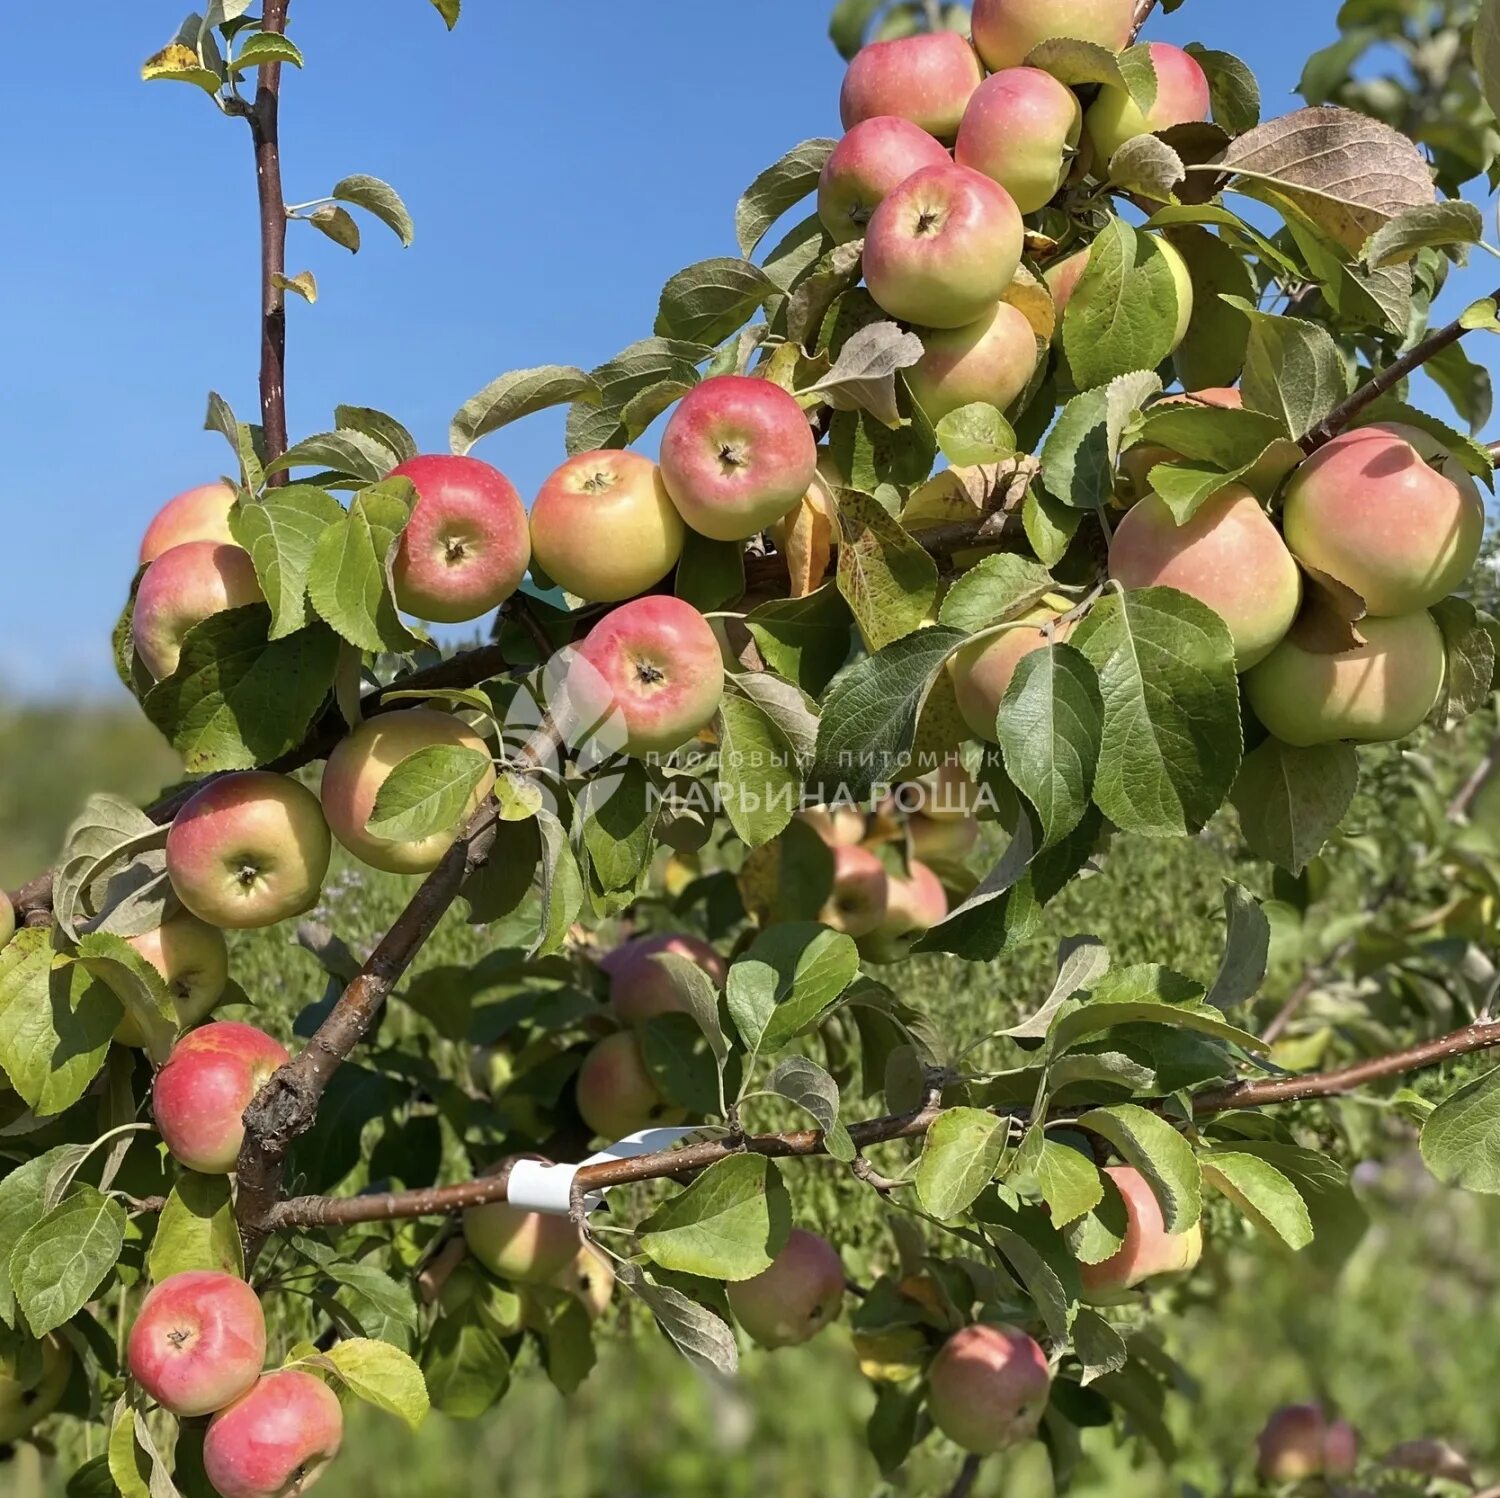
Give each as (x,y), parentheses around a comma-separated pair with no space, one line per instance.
(198,1347)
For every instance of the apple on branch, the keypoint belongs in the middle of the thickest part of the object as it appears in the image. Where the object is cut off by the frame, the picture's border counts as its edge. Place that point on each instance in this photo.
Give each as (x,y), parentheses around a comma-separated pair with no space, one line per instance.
(276,1440)
(183,587)
(200,514)
(198,1342)
(927,79)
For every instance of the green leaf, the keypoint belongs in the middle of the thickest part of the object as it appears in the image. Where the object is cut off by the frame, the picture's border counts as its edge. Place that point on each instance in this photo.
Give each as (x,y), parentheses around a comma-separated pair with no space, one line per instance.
(350,453)
(238,699)
(889,582)
(466,1367)
(379,427)
(141,990)
(597,421)
(1148,1142)
(960,1155)
(758,780)
(708,301)
(1291,800)
(1213,351)
(806,1084)
(196,1230)
(381,1375)
(180,64)
(56,1022)
(1080,453)
(1461,1140)
(349,582)
(995,588)
(427,793)
(1294,370)
(518,394)
(1123,315)
(1441,225)
(378,198)
(1172,739)
(1262,1193)
(562,886)
(863,377)
(1069,1181)
(804,640)
(262,47)
(703,1338)
(1050,725)
(790,976)
(248,442)
(700,996)
(1232,90)
(1099,1347)
(1470,674)
(620,814)
(338,225)
(129,1466)
(869,722)
(1487,52)
(281,533)
(778,188)
(728,1225)
(851,19)
(22,1203)
(449,11)
(60,1261)
(1247,948)
(975,433)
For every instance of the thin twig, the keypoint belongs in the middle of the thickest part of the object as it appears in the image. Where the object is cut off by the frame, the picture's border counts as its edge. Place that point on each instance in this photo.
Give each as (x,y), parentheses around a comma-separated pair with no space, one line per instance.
(1458,807)
(968,1475)
(1143,9)
(265,134)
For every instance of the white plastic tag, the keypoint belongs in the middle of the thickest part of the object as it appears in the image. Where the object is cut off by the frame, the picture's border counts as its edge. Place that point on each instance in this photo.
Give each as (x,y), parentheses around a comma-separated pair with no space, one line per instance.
(537,1187)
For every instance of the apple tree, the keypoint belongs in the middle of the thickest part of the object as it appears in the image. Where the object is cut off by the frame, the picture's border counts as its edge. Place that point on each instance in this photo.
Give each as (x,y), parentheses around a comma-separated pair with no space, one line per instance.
(1037,465)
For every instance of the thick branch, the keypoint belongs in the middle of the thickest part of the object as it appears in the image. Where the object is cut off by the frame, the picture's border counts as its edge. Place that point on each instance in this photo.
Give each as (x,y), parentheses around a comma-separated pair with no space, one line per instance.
(265,133)
(287,1106)
(1143,9)
(1387,380)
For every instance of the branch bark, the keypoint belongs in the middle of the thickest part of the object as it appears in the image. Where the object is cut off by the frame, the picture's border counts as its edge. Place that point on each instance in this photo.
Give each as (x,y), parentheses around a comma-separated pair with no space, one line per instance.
(1387,380)
(265,135)
(287,1106)
(1143,9)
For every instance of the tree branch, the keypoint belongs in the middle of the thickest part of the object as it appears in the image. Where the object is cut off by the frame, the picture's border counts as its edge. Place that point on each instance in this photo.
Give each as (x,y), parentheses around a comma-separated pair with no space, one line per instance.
(1143,9)
(265,134)
(1387,380)
(968,1475)
(287,1106)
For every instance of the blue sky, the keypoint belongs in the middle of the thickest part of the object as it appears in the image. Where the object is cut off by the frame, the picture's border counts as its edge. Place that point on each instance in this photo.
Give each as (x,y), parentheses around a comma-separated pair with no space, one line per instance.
(561,161)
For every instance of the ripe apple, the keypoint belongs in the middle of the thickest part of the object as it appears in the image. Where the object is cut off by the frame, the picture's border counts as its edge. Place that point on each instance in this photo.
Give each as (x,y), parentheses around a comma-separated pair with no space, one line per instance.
(616,1094)
(987,1388)
(248,850)
(658,661)
(1379,691)
(200,1095)
(795,1297)
(528,1248)
(942,840)
(927,79)
(591,1277)
(604,527)
(1149,1249)
(23,1408)
(861,890)
(275,1441)
(982,671)
(640,986)
(363,762)
(866,166)
(991,360)
(7,918)
(946,794)
(183,587)
(1386,510)
(1021,129)
(943,247)
(1299,1441)
(737,455)
(1006,31)
(1062,280)
(1181,98)
(836,825)
(466,547)
(193,960)
(198,1343)
(914,905)
(200,514)
(1228,555)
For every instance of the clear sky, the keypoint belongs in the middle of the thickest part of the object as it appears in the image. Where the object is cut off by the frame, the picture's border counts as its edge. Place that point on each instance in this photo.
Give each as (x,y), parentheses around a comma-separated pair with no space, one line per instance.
(561,161)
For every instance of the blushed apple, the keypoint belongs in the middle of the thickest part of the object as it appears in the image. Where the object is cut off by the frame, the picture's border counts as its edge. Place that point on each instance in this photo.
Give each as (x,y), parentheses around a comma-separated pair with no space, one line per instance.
(737,455)
(641,987)
(275,1441)
(1021,129)
(836,825)
(987,1388)
(1181,98)
(200,514)
(942,840)
(982,671)
(193,960)
(914,905)
(991,360)
(795,1297)
(1148,1249)
(943,247)
(200,1095)
(1006,31)
(927,79)
(248,850)
(528,1248)
(616,1094)
(198,1343)
(658,662)
(1300,1441)
(183,587)
(604,527)
(361,765)
(23,1407)
(590,1277)
(861,889)
(467,545)
(867,165)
